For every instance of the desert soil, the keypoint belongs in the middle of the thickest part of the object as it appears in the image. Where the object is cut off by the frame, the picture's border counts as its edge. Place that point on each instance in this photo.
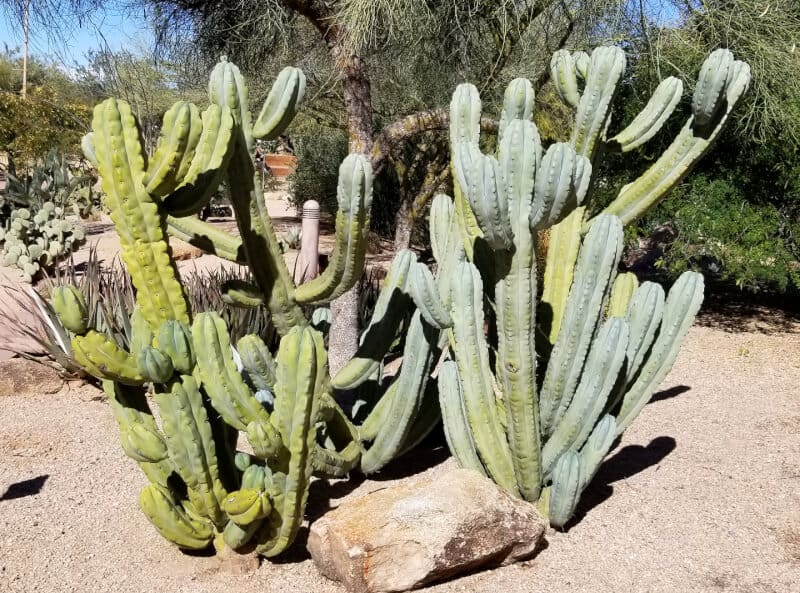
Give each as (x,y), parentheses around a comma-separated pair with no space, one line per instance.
(702,494)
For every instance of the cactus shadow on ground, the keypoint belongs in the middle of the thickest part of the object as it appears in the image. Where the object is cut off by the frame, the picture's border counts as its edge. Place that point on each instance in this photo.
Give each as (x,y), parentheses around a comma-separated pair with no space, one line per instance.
(625,463)
(735,312)
(23,488)
(669,393)
(430,453)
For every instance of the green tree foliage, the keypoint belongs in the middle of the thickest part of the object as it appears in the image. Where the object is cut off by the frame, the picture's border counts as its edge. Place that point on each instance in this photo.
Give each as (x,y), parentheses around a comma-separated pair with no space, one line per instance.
(729,237)
(410,55)
(55,114)
(738,217)
(149,84)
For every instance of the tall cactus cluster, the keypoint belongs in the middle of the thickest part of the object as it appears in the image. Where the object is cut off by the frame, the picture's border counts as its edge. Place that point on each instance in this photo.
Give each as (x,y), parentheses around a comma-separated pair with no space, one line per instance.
(202,490)
(543,379)
(534,384)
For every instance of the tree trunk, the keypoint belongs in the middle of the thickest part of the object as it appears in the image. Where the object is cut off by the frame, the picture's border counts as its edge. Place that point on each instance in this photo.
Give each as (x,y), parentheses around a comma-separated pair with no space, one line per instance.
(343,337)
(403,226)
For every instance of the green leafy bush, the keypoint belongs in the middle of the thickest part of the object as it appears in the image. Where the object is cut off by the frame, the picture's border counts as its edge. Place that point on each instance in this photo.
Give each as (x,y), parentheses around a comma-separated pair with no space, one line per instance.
(320,150)
(724,233)
(319,154)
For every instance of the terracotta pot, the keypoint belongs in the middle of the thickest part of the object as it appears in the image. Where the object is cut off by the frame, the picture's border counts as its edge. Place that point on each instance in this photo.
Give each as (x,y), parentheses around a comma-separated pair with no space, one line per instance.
(280,165)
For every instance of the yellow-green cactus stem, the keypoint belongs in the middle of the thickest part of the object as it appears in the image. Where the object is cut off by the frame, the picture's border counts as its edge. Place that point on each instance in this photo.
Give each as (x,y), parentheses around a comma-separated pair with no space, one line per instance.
(257,361)
(100,356)
(340,451)
(301,371)
(621,294)
(227,88)
(138,430)
(198,183)
(246,506)
(143,443)
(70,306)
(239,293)
(192,447)
(559,270)
(145,251)
(207,237)
(180,133)
(227,391)
(172,521)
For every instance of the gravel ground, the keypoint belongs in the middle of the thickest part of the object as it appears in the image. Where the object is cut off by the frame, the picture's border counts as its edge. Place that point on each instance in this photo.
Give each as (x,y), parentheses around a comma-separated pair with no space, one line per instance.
(706,493)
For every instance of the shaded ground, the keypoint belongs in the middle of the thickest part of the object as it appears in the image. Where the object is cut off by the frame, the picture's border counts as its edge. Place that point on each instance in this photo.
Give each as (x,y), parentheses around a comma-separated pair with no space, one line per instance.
(701,495)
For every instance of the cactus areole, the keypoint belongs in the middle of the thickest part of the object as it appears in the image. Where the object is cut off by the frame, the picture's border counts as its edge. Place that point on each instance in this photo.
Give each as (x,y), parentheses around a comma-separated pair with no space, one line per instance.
(534,404)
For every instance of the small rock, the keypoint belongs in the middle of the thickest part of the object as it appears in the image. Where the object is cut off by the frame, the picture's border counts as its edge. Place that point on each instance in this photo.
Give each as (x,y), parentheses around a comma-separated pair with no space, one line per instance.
(181,250)
(407,535)
(231,562)
(19,375)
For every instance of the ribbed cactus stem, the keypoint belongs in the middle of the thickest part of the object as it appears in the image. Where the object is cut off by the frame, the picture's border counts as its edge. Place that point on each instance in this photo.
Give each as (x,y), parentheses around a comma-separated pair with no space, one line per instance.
(594,274)
(354,194)
(227,89)
(472,357)
(191,446)
(135,215)
(390,310)
(301,371)
(260,242)
(692,142)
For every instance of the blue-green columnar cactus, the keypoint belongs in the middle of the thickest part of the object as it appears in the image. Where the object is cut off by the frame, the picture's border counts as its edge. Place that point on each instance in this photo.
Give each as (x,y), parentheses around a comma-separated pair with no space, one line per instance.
(541,380)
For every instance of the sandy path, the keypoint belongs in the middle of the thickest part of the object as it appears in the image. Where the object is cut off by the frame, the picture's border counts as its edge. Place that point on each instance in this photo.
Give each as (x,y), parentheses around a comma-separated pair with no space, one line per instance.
(706,495)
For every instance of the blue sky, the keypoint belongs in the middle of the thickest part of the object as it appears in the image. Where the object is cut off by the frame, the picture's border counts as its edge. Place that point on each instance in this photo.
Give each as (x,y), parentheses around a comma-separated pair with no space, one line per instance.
(112,25)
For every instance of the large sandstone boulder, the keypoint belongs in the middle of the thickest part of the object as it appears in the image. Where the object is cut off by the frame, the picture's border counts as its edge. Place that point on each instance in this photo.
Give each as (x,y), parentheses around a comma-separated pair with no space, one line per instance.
(405,536)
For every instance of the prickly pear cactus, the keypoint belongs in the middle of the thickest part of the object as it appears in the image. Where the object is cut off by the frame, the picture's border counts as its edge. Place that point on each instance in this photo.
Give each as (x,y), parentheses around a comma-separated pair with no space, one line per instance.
(536,402)
(34,241)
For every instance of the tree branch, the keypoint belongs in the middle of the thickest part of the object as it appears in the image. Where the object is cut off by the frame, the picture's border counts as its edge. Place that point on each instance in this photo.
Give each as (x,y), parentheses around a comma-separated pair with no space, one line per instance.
(416,123)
